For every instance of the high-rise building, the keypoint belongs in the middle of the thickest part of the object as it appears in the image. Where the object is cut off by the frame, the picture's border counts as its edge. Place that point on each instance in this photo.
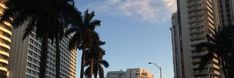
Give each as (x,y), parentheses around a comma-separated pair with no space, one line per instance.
(25,57)
(226,9)
(5,41)
(130,73)
(176,42)
(190,24)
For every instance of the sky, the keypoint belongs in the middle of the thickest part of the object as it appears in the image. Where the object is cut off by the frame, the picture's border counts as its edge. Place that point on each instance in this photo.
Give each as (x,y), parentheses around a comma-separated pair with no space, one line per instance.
(135,31)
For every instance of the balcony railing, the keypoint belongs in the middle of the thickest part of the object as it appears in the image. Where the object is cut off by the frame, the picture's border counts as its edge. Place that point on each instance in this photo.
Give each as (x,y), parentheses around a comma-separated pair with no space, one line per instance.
(195,3)
(196,14)
(196,8)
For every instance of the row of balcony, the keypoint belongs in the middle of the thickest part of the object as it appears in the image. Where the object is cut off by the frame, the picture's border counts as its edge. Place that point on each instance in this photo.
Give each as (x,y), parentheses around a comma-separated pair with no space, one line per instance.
(195,3)
(196,8)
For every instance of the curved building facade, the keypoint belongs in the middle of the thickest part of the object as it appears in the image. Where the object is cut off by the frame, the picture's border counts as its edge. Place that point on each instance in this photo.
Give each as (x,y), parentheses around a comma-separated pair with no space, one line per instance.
(191,23)
(5,41)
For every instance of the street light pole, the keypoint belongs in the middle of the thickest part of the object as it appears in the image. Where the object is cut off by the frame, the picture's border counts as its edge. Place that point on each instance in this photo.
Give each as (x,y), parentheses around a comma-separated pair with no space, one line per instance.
(160,69)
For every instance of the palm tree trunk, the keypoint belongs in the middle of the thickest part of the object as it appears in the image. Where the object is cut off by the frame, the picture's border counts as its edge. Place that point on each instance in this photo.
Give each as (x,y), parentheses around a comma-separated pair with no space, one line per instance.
(57,58)
(225,65)
(43,58)
(91,67)
(82,62)
(96,69)
(95,74)
(222,64)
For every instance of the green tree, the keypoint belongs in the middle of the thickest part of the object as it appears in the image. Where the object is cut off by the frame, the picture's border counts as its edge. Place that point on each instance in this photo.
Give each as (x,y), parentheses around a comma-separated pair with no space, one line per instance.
(47,18)
(228,35)
(82,35)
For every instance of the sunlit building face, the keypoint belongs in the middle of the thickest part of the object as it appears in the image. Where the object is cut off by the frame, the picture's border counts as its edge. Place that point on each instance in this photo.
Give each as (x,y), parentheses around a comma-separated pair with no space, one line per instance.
(5,41)
(25,57)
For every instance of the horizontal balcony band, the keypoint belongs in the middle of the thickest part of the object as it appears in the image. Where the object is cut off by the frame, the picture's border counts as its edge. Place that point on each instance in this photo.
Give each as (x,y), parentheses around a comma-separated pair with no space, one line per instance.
(3,69)
(3,61)
(4,45)
(5,30)
(5,38)
(4,53)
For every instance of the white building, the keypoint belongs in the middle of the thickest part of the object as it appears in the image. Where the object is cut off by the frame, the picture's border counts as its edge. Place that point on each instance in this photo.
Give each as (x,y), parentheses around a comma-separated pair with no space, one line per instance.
(25,57)
(190,24)
(130,73)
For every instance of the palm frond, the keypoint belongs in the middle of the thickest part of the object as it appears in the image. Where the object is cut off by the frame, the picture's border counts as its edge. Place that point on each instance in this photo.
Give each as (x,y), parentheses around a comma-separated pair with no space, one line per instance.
(75,41)
(104,63)
(29,29)
(73,16)
(205,60)
(101,71)
(70,31)
(94,23)
(87,72)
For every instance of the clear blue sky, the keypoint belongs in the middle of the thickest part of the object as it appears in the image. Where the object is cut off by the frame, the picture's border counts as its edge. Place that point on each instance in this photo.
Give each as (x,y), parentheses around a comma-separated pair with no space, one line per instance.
(135,31)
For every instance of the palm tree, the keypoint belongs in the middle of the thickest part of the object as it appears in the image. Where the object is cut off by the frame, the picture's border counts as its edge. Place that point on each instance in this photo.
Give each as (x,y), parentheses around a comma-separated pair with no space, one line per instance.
(220,43)
(228,34)
(46,17)
(82,35)
(95,61)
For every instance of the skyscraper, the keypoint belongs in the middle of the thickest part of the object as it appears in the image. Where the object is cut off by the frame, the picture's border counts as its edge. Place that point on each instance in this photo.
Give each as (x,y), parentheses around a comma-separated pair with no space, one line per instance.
(226,9)
(25,57)
(190,24)
(5,41)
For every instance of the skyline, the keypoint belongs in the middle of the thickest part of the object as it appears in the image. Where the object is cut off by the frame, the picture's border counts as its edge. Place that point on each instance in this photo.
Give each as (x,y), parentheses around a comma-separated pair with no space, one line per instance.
(104,38)
(140,37)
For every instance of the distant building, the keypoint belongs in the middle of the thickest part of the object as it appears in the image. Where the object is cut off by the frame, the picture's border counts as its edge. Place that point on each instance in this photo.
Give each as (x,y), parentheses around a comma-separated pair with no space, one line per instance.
(116,74)
(24,61)
(130,73)
(138,73)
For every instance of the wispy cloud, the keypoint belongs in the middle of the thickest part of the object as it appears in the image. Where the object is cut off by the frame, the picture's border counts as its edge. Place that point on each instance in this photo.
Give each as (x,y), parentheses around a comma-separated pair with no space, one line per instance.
(146,10)
(171,5)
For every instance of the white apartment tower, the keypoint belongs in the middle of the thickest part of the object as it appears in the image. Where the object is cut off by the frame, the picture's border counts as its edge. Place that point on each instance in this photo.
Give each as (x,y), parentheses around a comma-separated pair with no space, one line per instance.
(190,24)
(25,57)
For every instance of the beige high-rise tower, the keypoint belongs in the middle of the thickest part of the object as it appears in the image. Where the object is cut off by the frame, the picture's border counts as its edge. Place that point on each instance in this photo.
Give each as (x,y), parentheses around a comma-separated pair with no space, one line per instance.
(5,41)
(190,24)
(25,57)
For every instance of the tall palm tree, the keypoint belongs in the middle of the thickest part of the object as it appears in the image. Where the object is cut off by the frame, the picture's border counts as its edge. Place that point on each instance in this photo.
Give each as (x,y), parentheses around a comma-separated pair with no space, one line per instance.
(220,43)
(228,34)
(82,35)
(46,17)
(95,62)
